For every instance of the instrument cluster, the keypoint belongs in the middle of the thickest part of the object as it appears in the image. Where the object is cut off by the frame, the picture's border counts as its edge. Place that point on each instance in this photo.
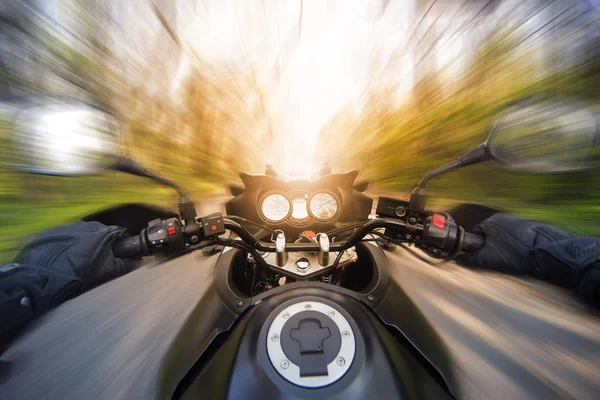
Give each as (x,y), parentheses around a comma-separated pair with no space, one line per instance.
(299,207)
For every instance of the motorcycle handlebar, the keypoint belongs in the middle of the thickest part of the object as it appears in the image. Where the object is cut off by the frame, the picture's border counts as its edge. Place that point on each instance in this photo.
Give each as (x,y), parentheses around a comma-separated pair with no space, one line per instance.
(136,246)
(357,236)
(472,242)
(132,246)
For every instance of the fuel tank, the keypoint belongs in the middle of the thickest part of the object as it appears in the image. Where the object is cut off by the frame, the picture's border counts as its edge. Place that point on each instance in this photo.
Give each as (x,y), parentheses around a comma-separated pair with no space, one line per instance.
(310,343)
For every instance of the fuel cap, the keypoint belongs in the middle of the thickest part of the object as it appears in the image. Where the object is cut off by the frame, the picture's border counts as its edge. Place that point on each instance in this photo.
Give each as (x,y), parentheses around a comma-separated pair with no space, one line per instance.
(302,264)
(311,344)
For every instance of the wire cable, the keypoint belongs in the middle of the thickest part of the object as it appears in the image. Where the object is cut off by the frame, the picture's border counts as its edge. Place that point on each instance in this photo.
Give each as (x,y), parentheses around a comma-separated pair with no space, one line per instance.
(247,221)
(345,228)
(386,239)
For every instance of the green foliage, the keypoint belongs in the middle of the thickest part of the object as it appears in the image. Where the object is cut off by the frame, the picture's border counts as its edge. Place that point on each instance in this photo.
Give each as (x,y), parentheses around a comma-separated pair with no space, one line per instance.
(395,147)
(220,125)
(200,140)
(30,204)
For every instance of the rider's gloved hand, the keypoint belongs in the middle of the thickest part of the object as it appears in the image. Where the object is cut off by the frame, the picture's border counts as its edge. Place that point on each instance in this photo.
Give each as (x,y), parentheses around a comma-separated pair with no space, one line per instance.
(516,245)
(58,265)
(27,291)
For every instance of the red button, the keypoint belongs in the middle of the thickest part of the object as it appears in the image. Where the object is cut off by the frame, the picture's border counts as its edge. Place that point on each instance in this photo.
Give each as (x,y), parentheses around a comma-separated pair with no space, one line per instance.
(310,234)
(438,220)
(171,230)
(214,227)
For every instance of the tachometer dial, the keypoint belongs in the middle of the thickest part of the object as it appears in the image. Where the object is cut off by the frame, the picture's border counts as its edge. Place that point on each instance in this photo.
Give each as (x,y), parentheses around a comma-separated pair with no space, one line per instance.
(323,206)
(275,207)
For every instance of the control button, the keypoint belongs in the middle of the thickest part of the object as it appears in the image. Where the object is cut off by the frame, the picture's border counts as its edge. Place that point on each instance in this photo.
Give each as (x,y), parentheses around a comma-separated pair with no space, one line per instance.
(213,224)
(157,232)
(171,230)
(438,220)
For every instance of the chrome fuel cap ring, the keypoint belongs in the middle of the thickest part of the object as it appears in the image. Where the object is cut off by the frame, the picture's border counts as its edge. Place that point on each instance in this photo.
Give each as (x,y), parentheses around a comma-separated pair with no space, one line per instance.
(319,329)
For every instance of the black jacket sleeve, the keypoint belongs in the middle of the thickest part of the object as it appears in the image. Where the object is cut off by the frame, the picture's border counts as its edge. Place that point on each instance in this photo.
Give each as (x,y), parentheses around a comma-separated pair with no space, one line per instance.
(519,246)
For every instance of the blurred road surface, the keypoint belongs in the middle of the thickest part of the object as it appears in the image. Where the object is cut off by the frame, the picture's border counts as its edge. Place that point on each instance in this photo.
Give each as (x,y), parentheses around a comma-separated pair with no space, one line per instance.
(511,338)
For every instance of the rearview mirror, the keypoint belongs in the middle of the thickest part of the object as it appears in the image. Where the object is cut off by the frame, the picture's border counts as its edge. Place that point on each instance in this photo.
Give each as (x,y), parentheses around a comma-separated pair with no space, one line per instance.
(545,137)
(534,134)
(65,140)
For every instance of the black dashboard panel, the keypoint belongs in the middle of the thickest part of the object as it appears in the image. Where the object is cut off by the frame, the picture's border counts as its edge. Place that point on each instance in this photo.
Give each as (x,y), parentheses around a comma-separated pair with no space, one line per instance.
(300,203)
(353,205)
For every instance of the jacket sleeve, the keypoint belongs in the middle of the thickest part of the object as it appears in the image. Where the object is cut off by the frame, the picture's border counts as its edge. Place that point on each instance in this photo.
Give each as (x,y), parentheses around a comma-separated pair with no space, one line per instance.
(519,246)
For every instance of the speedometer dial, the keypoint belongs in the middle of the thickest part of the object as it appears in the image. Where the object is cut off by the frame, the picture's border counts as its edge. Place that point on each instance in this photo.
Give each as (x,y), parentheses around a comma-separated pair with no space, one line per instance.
(323,206)
(275,207)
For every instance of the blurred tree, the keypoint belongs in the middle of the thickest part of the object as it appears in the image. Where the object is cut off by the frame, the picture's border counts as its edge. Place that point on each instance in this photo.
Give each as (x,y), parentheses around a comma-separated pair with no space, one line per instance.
(445,118)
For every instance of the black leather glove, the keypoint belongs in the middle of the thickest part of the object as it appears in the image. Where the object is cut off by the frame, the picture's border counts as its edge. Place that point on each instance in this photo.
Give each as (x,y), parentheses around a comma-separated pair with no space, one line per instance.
(516,245)
(82,249)
(27,291)
(58,265)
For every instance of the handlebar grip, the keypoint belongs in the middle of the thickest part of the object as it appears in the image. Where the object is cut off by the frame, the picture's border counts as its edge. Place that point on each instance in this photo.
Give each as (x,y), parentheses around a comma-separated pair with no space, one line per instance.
(130,247)
(472,242)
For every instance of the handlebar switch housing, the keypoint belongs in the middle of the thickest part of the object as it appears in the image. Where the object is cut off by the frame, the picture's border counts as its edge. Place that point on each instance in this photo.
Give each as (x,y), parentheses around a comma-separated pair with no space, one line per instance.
(440,233)
(158,235)
(213,224)
(165,234)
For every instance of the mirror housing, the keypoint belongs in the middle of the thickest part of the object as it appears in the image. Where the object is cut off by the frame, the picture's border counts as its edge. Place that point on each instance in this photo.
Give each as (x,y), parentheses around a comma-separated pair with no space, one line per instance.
(76,140)
(531,135)
(544,136)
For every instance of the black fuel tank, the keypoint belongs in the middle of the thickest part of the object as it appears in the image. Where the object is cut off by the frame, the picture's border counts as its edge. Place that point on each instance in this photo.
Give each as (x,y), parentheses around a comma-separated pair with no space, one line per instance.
(309,326)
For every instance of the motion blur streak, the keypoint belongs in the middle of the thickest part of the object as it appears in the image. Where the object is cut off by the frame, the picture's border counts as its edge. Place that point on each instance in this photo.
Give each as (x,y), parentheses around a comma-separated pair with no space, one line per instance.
(511,338)
(393,88)
(208,88)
